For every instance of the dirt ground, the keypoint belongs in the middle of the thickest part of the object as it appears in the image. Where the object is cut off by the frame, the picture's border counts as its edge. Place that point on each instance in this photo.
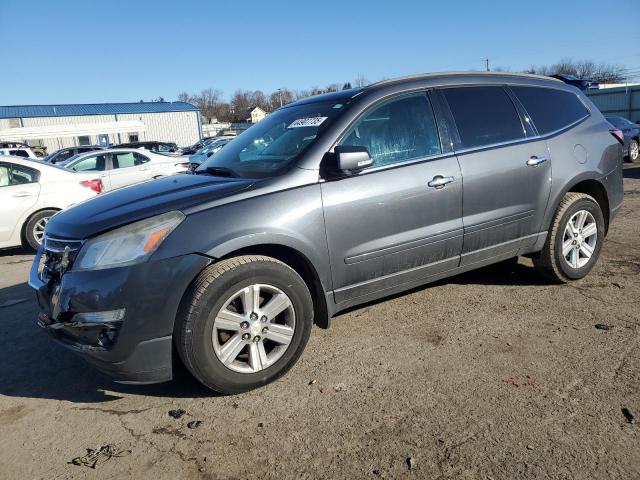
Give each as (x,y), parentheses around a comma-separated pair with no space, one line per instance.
(495,374)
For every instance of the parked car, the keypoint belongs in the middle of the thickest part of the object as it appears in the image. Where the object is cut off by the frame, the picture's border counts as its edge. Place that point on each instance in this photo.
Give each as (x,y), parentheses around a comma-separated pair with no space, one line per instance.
(23,152)
(631,133)
(207,151)
(328,203)
(65,154)
(37,150)
(156,147)
(193,149)
(125,166)
(31,192)
(581,83)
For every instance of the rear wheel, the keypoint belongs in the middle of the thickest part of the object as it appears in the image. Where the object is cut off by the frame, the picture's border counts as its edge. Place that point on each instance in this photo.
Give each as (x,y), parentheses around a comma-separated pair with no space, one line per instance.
(244,322)
(34,228)
(574,241)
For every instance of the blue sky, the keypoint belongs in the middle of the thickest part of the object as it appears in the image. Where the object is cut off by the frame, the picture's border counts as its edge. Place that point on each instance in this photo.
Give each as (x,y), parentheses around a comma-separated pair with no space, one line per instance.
(87,51)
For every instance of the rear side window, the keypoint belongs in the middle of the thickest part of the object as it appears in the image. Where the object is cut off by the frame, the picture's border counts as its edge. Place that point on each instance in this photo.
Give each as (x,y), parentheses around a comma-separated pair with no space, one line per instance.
(123,160)
(129,159)
(397,130)
(484,115)
(551,109)
(140,159)
(21,175)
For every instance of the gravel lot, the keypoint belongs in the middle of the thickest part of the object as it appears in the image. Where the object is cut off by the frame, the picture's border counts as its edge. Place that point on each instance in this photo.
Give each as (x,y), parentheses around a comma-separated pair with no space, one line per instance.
(491,374)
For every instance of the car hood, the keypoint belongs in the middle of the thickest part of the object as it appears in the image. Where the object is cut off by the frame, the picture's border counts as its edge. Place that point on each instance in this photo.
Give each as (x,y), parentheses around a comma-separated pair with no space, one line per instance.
(126,205)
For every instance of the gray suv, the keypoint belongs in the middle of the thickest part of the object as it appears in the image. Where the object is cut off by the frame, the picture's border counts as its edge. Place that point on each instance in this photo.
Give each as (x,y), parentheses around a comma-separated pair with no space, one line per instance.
(328,203)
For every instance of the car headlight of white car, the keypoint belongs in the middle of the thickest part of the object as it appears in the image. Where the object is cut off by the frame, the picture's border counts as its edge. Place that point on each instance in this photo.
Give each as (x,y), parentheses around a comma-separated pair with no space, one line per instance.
(133,243)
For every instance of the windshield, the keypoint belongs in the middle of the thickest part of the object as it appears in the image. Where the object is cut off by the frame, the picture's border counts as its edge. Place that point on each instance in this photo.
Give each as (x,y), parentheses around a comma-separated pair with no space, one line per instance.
(272,145)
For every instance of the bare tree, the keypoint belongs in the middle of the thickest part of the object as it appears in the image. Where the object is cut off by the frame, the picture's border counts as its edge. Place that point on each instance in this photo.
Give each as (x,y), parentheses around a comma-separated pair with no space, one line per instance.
(208,100)
(184,97)
(601,72)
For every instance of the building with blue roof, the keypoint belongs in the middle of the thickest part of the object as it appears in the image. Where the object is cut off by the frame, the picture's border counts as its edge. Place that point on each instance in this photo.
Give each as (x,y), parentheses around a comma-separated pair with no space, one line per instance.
(59,126)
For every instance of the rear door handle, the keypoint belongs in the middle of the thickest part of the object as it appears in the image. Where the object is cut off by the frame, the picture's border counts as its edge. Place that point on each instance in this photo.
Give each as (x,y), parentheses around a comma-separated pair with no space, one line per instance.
(535,161)
(440,181)
(22,194)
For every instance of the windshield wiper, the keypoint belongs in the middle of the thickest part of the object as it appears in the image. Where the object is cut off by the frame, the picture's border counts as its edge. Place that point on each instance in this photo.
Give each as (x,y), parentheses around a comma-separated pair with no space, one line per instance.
(217,171)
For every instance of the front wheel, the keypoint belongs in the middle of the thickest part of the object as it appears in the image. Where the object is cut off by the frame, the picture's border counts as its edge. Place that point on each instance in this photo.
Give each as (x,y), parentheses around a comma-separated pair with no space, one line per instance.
(574,241)
(634,151)
(243,323)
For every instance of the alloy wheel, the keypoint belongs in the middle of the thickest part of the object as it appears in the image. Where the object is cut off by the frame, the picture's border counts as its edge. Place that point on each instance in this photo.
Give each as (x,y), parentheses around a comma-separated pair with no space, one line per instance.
(38,229)
(254,328)
(579,240)
(634,150)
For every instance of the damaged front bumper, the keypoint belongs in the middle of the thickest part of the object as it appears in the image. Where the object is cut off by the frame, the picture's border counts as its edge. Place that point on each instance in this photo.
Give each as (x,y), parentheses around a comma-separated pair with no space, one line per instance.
(119,319)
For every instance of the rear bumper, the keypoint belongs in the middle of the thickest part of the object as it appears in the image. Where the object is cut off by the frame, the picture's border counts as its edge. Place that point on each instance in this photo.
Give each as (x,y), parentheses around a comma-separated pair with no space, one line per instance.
(137,348)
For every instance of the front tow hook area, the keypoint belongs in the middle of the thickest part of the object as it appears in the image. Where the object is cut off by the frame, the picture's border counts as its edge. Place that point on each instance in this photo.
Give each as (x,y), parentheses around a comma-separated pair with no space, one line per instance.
(96,331)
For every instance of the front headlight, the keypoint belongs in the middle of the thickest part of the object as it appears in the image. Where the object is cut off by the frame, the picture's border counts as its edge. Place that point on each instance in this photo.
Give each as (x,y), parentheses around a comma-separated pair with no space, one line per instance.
(127,245)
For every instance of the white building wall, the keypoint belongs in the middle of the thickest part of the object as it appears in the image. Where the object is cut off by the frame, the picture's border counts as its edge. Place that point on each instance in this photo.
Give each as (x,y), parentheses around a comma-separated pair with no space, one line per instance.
(179,127)
(54,144)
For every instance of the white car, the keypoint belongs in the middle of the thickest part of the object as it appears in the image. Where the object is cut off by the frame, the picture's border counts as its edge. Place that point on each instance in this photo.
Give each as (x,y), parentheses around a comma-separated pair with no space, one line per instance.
(24,152)
(120,167)
(31,192)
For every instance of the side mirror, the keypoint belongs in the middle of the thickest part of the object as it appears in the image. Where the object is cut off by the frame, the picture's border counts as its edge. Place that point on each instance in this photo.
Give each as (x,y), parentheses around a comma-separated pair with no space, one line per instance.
(350,158)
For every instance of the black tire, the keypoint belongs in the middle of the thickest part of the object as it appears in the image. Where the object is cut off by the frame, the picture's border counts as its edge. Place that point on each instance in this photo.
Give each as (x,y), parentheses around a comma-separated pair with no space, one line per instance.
(207,295)
(550,261)
(633,147)
(29,235)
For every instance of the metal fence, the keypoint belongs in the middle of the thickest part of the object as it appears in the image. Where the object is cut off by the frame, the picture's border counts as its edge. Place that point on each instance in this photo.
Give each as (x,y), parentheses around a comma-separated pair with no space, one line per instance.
(619,101)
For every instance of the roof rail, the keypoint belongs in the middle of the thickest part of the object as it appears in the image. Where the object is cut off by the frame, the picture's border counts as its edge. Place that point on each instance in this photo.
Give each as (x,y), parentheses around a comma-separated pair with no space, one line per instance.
(426,76)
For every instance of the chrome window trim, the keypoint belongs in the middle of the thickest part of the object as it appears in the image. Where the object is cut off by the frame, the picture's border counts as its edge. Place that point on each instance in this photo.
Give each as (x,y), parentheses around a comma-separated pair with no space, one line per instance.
(454,152)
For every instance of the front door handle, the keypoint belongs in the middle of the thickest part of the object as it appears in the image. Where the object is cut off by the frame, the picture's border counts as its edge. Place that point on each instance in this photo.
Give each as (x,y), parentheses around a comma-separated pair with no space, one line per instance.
(440,181)
(535,161)
(22,194)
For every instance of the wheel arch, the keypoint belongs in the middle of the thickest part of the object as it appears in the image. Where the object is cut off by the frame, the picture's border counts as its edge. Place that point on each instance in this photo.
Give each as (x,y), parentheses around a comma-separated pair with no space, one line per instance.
(590,186)
(23,227)
(302,265)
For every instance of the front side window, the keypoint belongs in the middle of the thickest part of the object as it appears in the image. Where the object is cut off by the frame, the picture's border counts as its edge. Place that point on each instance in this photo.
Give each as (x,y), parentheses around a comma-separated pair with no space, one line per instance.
(21,175)
(396,131)
(62,156)
(270,146)
(19,153)
(165,147)
(96,163)
(550,109)
(484,115)
(86,149)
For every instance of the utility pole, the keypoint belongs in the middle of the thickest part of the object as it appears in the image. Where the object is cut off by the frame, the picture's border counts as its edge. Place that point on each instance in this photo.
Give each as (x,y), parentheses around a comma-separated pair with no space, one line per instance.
(280,92)
(486,62)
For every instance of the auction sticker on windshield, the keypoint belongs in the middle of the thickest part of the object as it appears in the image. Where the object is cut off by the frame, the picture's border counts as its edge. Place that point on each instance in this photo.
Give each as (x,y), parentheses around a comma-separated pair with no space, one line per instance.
(307,122)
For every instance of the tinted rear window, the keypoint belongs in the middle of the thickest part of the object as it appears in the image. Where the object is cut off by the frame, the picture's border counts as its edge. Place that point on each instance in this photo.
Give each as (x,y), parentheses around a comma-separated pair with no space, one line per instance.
(550,109)
(484,115)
